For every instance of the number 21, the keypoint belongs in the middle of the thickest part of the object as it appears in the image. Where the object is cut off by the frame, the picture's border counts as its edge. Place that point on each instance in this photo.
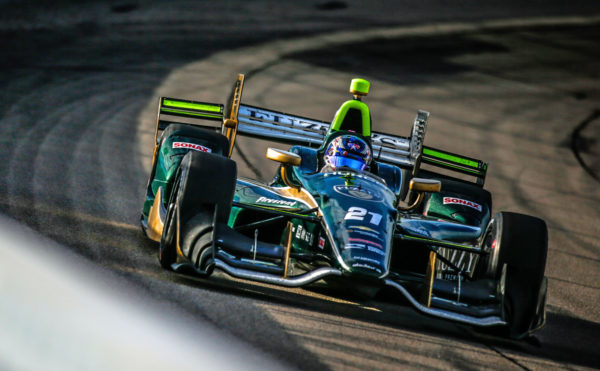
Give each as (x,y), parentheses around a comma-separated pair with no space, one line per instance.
(358,213)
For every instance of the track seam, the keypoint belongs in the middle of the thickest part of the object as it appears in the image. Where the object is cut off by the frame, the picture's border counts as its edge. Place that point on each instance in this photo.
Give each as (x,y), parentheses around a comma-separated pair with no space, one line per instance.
(514,361)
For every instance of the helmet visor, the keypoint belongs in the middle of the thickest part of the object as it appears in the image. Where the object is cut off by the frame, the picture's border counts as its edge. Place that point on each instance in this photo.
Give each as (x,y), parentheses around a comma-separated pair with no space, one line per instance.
(339,161)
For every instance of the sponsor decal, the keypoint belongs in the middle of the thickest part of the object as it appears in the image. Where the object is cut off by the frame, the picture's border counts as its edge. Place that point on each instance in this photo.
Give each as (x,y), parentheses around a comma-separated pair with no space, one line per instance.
(261,115)
(348,176)
(354,246)
(300,232)
(276,202)
(364,258)
(462,259)
(460,201)
(363,228)
(368,242)
(195,147)
(361,265)
(276,118)
(256,192)
(367,234)
(321,243)
(375,250)
(449,276)
(358,192)
(304,235)
(360,246)
(387,140)
(365,231)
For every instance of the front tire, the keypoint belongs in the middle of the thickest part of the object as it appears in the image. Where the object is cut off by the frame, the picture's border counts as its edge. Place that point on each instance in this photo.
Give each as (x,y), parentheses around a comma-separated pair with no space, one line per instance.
(167,255)
(207,184)
(518,247)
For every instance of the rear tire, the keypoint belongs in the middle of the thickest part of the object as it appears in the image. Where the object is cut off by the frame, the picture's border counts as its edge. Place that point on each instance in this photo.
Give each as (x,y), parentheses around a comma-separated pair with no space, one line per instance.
(520,243)
(218,143)
(206,182)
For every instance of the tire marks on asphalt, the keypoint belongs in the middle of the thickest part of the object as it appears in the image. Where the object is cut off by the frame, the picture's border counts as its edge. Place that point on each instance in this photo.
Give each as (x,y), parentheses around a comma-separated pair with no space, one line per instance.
(580,144)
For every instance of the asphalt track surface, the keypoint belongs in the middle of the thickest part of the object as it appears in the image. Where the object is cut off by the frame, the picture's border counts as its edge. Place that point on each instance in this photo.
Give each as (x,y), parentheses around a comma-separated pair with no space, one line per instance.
(79,81)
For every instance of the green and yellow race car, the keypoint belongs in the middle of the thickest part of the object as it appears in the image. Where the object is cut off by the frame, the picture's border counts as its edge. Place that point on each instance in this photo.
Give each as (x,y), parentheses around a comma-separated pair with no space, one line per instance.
(347,206)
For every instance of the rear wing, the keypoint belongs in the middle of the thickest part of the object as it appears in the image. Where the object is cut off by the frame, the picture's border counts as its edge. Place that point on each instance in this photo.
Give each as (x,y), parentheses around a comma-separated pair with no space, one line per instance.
(262,123)
(291,129)
(208,115)
(282,127)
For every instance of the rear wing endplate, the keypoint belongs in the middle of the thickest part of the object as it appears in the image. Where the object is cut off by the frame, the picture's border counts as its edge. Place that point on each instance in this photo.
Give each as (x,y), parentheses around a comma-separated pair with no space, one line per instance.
(198,112)
(206,115)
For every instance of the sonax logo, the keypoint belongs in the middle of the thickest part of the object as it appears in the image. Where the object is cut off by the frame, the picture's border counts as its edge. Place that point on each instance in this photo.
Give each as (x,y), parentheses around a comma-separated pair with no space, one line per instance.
(460,201)
(195,147)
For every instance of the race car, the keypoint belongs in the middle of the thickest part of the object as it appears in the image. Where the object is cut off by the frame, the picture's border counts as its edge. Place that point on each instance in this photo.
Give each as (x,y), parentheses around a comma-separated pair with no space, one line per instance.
(348,206)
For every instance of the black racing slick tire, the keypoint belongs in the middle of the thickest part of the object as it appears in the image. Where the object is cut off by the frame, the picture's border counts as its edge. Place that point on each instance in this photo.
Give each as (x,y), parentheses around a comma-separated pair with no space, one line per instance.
(218,143)
(206,187)
(518,246)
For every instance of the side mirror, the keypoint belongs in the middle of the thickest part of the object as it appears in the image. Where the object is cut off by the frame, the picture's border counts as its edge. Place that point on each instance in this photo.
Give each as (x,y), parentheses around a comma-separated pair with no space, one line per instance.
(421,185)
(286,159)
(425,185)
(283,157)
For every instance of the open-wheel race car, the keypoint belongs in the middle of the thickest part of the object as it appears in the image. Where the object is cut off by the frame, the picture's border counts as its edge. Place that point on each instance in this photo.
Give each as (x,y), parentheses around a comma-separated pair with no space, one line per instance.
(348,206)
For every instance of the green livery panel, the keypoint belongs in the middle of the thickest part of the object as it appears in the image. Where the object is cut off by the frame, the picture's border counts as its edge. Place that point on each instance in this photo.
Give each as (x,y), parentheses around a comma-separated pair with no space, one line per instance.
(191,109)
(454,162)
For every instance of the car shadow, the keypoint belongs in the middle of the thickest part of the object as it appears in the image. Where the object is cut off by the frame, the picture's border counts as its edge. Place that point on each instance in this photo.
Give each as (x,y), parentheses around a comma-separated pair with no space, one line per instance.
(565,339)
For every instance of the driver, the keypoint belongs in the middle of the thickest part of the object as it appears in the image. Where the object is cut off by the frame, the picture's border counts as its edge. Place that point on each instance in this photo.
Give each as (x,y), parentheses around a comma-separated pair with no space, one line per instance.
(348,151)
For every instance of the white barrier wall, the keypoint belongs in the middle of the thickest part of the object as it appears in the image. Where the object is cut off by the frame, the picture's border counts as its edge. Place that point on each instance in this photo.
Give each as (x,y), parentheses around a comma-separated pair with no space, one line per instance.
(60,312)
